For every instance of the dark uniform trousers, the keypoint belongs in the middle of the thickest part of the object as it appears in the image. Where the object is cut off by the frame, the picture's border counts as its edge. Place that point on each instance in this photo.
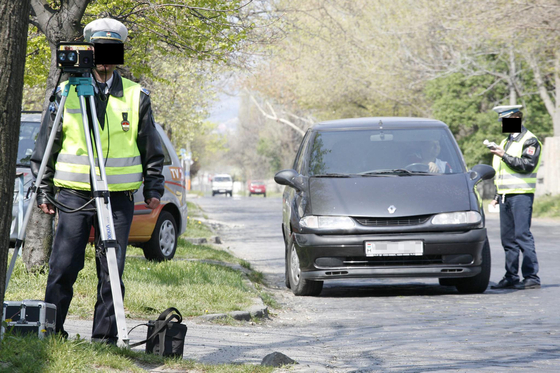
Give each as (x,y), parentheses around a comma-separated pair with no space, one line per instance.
(515,224)
(67,258)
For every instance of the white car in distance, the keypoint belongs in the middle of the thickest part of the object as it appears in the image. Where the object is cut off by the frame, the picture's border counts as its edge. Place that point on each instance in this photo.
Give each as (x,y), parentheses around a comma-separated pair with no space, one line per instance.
(222,184)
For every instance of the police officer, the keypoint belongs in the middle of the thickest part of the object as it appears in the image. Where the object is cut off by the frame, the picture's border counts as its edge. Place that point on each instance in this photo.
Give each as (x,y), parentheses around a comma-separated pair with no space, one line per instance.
(133,154)
(516,162)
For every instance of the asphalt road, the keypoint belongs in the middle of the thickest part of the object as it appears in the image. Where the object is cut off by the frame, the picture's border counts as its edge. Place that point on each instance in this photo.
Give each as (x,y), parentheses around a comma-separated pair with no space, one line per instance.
(397,325)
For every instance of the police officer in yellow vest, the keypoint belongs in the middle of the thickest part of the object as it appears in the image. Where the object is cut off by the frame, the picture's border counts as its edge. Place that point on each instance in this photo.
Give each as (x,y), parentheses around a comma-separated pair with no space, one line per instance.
(133,155)
(516,162)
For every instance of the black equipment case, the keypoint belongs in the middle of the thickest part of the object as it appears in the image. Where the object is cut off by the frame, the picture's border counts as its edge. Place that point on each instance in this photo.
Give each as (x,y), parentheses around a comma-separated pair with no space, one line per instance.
(29,317)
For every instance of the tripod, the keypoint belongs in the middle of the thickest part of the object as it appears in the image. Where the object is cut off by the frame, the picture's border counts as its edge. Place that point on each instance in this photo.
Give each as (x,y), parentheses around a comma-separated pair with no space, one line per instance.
(100,190)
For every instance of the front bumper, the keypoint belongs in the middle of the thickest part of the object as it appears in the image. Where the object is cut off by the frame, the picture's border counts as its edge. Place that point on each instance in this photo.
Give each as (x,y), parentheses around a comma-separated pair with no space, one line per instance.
(446,255)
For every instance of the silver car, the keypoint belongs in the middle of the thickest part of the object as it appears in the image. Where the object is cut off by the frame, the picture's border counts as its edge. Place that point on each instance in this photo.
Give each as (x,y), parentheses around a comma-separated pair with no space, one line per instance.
(155,231)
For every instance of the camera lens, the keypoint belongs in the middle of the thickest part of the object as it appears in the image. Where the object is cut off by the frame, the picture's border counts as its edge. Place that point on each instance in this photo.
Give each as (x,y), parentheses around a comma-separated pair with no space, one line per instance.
(72,56)
(62,56)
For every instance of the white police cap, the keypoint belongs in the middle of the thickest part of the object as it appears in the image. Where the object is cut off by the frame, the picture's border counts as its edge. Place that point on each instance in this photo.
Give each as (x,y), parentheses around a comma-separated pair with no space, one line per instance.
(506,110)
(105,29)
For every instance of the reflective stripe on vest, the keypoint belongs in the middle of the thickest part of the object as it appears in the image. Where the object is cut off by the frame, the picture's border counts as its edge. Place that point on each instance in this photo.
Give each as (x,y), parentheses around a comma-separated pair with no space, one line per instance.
(509,181)
(123,164)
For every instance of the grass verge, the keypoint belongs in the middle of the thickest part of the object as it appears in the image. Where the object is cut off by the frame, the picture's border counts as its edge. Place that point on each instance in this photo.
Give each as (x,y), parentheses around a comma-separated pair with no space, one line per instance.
(53,354)
(547,207)
(193,283)
(192,286)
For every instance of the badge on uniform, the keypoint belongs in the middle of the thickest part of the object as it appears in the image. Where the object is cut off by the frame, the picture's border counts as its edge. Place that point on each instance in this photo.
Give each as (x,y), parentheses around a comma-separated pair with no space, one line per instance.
(125,124)
(531,150)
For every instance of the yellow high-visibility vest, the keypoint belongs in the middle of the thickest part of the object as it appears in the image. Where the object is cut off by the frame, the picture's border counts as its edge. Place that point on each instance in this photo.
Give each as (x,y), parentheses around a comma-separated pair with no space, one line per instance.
(123,164)
(509,181)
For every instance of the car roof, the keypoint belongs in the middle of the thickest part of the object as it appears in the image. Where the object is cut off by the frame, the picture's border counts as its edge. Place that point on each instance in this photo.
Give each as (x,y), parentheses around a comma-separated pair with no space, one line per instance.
(377,122)
(223,175)
(31,116)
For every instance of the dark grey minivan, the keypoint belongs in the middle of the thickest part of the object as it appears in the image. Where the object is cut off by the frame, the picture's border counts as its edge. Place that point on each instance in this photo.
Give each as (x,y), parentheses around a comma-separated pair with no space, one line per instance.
(383,197)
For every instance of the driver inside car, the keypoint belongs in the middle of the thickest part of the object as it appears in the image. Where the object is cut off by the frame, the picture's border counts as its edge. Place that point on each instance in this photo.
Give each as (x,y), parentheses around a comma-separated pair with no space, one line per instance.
(428,155)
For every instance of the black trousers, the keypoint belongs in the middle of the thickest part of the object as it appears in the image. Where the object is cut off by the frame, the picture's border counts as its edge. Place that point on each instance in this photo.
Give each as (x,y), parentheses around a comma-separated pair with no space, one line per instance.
(515,225)
(67,259)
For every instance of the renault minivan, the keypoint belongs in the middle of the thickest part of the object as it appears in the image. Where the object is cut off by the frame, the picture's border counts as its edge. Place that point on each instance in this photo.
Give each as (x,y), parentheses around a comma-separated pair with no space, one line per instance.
(380,198)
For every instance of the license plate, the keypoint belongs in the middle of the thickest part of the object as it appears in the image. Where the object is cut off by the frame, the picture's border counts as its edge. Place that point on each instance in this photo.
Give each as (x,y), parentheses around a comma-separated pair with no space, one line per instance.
(394,248)
(257,190)
(222,190)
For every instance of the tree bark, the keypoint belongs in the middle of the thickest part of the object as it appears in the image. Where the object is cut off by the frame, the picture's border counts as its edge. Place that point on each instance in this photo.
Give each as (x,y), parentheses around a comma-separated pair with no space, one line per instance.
(14,19)
(63,24)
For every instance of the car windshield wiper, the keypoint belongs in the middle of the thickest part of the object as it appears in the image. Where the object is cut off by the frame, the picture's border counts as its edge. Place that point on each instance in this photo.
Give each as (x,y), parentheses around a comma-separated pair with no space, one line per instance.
(396,171)
(334,175)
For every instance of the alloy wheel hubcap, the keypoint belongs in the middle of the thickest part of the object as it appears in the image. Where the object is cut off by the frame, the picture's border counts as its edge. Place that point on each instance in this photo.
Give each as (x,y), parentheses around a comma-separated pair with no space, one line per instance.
(167,238)
(294,266)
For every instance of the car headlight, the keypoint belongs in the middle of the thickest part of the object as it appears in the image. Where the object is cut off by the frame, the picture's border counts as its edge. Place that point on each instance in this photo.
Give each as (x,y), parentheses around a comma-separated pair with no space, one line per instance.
(461,217)
(327,222)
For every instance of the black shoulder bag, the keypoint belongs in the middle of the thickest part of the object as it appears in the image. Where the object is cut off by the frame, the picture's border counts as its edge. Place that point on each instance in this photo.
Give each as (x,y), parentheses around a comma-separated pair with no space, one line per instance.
(166,335)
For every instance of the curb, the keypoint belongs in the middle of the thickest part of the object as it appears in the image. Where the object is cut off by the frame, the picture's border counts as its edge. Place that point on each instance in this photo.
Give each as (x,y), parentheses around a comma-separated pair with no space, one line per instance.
(258,311)
(203,240)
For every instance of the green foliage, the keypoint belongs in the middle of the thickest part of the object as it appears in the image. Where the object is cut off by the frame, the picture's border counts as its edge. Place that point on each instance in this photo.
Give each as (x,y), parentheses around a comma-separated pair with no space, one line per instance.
(173,49)
(267,148)
(465,105)
(38,58)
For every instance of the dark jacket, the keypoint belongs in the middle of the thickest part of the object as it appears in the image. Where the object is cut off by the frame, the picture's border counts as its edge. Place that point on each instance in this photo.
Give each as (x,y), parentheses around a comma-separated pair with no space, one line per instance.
(148,142)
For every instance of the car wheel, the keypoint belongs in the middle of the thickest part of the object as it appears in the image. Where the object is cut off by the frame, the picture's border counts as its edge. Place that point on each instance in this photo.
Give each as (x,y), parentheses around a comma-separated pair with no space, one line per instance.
(250,194)
(163,243)
(264,195)
(298,284)
(478,283)
(213,194)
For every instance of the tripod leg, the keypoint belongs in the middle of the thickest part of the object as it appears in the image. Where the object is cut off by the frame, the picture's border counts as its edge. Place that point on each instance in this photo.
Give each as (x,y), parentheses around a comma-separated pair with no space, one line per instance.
(21,234)
(104,216)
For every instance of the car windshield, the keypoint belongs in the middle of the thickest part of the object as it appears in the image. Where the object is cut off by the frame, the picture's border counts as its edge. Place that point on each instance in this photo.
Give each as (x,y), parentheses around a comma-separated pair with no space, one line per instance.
(222,178)
(257,183)
(399,152)
(27,135)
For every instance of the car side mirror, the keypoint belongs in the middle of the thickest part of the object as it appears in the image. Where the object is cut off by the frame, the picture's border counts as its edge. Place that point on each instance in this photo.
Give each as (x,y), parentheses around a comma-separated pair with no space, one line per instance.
(482,172)
(290,178)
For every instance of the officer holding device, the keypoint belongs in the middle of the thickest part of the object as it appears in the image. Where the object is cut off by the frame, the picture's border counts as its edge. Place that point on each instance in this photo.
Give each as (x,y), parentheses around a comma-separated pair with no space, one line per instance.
(516,161)
(133,155)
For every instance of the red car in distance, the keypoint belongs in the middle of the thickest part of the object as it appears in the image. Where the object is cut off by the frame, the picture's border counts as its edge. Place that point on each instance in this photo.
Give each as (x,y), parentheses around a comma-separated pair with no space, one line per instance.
(257,187)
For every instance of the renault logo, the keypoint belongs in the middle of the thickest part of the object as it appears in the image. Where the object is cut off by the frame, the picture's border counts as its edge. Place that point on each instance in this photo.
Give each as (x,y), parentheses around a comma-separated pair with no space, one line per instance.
(392,209)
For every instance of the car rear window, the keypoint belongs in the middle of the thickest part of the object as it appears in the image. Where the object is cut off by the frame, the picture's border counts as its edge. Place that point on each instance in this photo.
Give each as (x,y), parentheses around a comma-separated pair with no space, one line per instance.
(28,132)
(222,178)
(362,151)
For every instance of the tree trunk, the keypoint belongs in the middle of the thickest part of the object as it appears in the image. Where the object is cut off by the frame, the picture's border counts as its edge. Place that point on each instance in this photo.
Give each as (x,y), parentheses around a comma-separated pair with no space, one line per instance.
(60,25)
(14,19)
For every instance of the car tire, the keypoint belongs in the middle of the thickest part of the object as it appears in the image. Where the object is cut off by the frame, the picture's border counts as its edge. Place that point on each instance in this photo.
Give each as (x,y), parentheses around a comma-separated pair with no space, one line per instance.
(286,265)
(298,284)
(163,244)
(447,281)
(264,195)
(478,283)
(250,194)
(213,194)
